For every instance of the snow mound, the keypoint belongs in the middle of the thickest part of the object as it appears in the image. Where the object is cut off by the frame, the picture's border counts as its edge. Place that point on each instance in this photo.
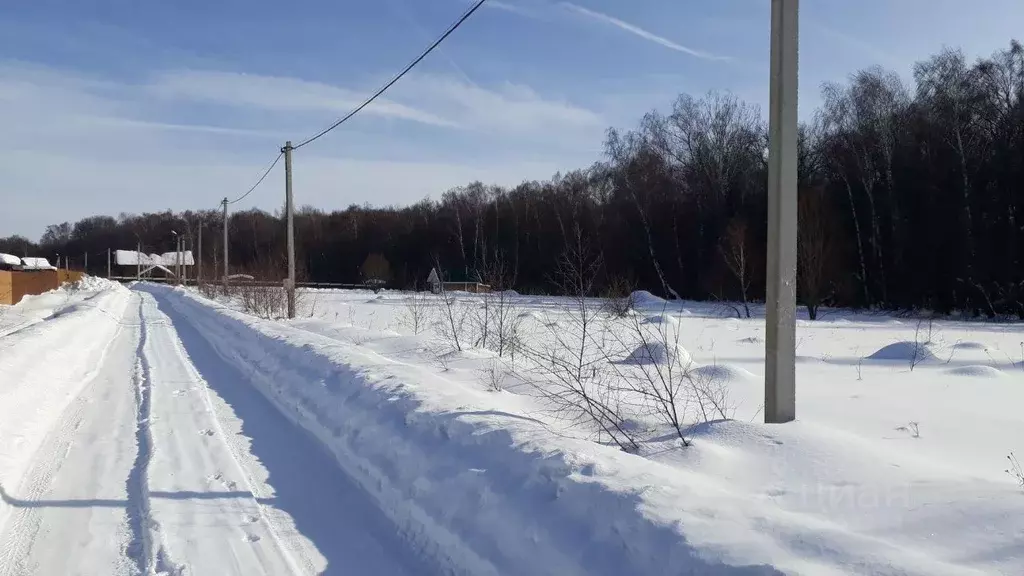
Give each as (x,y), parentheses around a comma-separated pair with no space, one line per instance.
(975,371)
(904,351)
(722,373)
(970,346)
(645,298)
(658,353)
(662,319)
(532,314)
(93,283)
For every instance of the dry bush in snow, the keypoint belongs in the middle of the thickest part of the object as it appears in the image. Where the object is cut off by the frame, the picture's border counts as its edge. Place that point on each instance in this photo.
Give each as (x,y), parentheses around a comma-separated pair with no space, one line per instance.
(497,321)
(416,312)
(262,300)
(1015,470)
(660,373)
(452,314)
(619,297)
(573,373)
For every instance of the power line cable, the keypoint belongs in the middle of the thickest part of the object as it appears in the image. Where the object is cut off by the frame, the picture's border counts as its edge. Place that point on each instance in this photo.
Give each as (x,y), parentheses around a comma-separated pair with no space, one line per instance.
(465,16)
(258,182)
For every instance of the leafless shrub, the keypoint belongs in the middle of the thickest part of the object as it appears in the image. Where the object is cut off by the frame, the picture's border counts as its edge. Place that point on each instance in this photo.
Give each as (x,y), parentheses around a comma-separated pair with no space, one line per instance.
(659,373)
(734,248)
(263,300)
(922,338)
(211,291)
(453,314)
(1015,470)
(619,297)
(498,320)
(573,374)
(493,376)
(912,428)
(416,312)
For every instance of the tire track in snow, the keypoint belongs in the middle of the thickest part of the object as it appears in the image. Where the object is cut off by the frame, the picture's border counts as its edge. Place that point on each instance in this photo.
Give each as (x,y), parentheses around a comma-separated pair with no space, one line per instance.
(297,559)
(141,549)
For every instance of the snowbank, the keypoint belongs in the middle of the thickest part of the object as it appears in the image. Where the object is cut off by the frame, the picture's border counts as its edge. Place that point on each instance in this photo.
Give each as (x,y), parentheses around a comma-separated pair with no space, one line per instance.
(904,351)
(645,298)
(976,371)
(658,353)
(483,491)
(72,341)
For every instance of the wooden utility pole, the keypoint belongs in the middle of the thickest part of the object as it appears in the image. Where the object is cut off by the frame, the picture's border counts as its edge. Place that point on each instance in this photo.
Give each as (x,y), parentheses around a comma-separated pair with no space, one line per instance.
(86,266)
(289,208)
(780,314)
(225,203)
(108,263)
(138,262)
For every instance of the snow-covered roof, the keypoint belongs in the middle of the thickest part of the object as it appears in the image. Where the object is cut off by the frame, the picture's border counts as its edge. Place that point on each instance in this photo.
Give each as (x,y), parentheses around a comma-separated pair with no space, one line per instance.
(31,263)
(168,258)
(9,260)
(133,258)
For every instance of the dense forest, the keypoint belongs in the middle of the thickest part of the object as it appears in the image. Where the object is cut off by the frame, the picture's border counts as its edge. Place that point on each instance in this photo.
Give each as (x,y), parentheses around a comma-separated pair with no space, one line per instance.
(909,197)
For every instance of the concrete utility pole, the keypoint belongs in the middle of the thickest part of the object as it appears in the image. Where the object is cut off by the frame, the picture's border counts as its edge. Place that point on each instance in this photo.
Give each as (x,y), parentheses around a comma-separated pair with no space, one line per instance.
(138,261)
(289,209)
(86,267)
(780,317)
(225,203)
(199,257)
(108,263)
(177,253)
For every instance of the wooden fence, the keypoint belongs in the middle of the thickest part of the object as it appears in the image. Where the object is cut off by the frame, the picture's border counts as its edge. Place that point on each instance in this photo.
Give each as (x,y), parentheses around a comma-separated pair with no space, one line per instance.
(16,285)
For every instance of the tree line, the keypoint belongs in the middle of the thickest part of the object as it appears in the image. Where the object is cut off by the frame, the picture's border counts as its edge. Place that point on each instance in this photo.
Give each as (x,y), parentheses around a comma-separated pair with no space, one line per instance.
(909,197)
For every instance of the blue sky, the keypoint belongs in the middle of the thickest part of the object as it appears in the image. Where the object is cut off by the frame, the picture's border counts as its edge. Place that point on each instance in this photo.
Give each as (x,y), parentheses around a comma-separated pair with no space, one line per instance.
(128,106)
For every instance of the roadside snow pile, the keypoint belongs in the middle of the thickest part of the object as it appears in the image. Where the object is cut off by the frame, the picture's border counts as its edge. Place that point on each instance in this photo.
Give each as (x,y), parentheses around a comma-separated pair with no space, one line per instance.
(95,283)
(484,491)
(43,366)
(904,351)
(658,353)
(495,483)
(976,371)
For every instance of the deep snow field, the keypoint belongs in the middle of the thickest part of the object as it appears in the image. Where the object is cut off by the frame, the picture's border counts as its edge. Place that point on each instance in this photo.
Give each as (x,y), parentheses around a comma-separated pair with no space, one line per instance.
(481,461)
(897,463)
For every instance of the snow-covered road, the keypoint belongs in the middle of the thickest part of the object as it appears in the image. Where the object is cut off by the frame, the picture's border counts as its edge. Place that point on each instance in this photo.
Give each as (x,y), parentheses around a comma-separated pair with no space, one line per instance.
(161,459)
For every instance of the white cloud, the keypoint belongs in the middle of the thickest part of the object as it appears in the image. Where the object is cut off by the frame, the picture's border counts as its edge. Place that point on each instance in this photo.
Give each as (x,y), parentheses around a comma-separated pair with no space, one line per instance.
(278,93)
(510,108)
(76,145)
(638,31)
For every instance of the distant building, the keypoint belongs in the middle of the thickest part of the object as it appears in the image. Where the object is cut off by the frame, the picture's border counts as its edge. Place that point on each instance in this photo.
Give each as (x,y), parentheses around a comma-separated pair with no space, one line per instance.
(434,282)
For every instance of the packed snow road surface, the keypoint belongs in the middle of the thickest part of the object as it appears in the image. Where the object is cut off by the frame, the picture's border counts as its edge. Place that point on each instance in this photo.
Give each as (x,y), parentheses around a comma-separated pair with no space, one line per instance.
(154,456)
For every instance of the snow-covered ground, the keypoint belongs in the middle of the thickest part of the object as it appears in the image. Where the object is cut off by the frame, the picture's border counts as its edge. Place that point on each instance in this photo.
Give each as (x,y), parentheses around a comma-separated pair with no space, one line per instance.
(154,431)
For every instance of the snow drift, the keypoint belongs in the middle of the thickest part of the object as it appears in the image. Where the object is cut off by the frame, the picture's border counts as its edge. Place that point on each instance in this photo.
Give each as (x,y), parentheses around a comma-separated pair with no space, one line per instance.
(484,492)
(904,351)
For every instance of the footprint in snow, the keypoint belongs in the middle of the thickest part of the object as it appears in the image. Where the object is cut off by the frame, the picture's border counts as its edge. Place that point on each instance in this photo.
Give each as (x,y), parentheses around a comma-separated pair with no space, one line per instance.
(206,432)
(214,477)
(249,519)
(251,538)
